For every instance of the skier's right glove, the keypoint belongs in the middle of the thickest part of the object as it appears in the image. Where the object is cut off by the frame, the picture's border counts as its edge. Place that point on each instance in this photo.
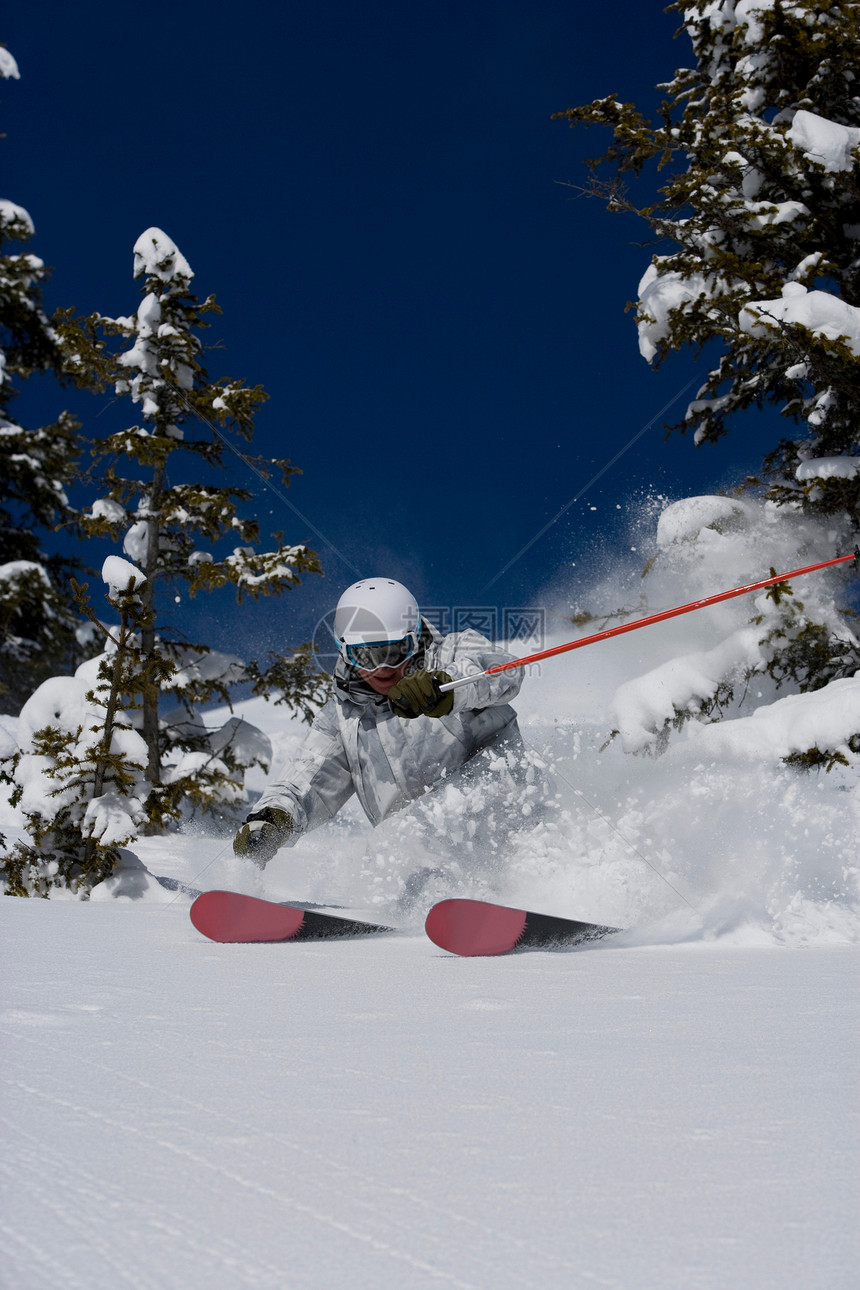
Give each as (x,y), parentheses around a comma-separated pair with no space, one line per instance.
(263,834)
(419,695)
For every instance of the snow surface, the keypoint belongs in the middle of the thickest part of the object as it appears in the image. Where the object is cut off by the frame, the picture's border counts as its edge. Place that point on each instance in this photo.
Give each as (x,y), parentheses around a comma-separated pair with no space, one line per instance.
(375,1114)
(675,1107)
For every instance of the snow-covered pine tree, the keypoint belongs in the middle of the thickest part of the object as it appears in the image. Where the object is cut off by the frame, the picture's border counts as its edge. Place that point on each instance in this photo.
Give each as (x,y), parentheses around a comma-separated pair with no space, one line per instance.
(78,775)
(758,208)
(37,619)
(172,529)
(762,140)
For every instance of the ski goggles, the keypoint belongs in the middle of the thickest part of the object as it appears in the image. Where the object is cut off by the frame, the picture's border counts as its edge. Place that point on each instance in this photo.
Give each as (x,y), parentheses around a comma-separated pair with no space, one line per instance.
(373,655)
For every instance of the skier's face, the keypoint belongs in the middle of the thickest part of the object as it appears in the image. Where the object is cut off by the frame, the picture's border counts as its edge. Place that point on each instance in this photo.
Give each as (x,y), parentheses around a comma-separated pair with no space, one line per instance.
(384,678)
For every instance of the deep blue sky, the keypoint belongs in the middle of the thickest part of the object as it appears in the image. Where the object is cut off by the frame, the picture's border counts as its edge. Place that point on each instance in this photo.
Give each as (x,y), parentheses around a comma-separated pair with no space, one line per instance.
(377,196)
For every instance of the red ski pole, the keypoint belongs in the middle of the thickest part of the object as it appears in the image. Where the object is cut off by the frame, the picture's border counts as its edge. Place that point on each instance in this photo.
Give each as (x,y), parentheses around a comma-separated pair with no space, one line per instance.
(653,618)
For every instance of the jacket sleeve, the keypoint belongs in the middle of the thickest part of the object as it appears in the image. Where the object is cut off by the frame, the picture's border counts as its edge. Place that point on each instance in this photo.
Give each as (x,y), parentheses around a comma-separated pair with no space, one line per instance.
(317,782)
(467,653)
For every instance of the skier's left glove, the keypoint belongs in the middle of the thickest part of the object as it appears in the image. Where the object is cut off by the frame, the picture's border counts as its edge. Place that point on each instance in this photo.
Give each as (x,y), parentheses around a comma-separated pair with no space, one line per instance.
(419,695)
(262,835)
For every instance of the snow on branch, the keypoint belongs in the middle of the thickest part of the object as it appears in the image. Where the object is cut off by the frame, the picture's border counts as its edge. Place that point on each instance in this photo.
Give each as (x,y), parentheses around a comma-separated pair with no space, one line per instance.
(119,575)
(157,255)
(824,315)
(8,66)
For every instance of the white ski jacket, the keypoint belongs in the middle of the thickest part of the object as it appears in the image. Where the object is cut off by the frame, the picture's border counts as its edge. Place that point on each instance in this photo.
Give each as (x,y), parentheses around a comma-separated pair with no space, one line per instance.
(357,745)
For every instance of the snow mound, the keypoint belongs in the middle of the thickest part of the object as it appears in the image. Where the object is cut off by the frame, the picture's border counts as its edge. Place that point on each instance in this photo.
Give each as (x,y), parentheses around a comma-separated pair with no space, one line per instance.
(641,707)
(825,718)
(132,881)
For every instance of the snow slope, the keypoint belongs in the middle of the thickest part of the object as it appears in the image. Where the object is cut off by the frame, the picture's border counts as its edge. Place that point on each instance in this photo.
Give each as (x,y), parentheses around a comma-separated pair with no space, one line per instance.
(674,1108)
(677,1109)
(377,1114)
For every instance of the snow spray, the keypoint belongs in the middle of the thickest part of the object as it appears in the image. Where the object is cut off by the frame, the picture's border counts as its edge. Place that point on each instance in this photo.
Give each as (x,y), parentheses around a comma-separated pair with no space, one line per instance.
(651,619)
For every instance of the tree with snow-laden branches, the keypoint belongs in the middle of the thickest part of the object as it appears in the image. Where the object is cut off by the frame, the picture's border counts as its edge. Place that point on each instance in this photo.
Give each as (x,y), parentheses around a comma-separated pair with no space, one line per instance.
(171,524)
(758,271)
(37,618)
(78,774)
(762,205)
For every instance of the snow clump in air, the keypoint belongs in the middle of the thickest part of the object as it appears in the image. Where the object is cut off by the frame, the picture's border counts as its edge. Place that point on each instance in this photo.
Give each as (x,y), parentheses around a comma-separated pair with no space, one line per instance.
(688,517)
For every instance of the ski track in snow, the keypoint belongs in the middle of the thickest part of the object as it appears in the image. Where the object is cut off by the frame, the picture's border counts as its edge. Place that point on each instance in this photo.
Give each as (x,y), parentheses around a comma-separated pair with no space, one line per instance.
(378,1114)
(93,1191)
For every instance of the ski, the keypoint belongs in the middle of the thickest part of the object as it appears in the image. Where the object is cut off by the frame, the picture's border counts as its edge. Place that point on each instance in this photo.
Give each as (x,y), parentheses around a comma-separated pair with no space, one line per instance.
(477,927)
(228,916)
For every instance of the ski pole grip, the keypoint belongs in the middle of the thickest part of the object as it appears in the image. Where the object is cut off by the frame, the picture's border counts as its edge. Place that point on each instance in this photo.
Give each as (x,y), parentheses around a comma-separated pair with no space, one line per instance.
(461,680)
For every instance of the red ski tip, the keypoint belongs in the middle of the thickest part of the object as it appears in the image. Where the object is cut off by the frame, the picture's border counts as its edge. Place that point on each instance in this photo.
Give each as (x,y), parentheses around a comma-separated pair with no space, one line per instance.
(473,927)
(228,916)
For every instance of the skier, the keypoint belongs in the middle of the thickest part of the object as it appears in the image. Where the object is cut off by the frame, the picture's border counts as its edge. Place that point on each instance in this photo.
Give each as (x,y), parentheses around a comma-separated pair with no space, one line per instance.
(387,732)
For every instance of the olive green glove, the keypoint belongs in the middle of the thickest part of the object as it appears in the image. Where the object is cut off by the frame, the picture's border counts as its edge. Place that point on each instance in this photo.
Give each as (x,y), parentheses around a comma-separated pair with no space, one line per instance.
(419,695)
(262,835)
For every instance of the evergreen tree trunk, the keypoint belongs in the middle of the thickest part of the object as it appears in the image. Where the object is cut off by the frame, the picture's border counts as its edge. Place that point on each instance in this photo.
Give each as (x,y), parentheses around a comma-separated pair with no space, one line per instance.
(148,633)
(102,760)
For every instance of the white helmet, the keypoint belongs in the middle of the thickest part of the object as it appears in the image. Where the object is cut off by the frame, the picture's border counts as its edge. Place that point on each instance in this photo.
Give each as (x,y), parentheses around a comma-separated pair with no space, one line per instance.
(377,624)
